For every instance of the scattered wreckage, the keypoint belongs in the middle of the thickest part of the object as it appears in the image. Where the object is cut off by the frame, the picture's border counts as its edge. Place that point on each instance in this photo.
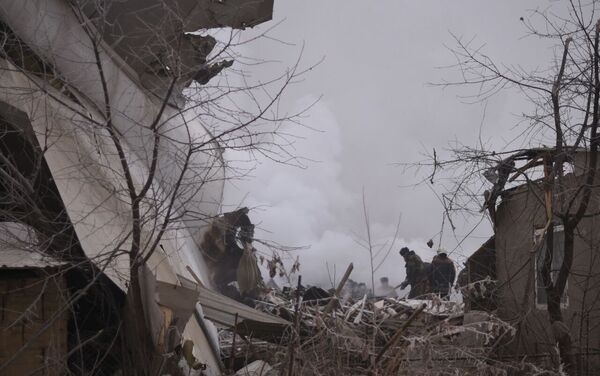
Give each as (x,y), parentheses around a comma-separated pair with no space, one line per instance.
(335,336)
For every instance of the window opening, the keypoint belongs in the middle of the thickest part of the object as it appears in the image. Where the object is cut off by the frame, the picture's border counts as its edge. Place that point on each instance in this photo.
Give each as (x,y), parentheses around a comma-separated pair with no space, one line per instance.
(558,254)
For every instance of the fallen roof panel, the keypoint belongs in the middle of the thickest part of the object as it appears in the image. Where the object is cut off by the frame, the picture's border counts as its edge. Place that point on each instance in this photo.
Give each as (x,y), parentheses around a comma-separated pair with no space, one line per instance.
(221,310)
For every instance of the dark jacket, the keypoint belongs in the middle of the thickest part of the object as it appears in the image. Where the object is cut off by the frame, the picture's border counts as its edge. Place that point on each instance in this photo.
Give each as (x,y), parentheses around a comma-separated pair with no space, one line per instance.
(442,274)
(414,268)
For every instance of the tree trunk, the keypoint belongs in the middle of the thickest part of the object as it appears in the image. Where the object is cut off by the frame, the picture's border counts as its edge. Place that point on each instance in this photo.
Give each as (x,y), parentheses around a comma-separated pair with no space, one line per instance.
(140,356)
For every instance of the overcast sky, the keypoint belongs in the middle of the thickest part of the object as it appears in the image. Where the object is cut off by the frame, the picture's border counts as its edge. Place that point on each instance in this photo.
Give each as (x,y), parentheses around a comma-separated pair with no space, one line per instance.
(378,109)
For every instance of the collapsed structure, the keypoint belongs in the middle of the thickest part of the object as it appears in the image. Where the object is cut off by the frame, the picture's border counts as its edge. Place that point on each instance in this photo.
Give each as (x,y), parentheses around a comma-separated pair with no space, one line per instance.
(509,268)
(109,183)
(336,334)
(110,195)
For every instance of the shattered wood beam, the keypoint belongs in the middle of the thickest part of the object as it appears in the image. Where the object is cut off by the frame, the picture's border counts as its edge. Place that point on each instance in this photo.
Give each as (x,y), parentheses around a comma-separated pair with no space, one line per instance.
(196,278)
(232,354)
(295,331)
(338,290)
(398,334)
(532,163)
(548,187)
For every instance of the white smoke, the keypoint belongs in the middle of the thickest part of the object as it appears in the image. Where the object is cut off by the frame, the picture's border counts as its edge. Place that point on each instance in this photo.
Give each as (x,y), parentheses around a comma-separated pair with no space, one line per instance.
(311,207)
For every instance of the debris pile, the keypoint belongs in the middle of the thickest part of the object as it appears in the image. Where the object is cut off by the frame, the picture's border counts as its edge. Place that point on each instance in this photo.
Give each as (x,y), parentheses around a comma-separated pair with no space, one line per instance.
(370,336)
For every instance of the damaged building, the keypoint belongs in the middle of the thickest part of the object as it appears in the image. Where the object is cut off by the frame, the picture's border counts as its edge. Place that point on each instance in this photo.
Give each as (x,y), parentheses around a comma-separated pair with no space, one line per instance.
(507,271)
(88,90)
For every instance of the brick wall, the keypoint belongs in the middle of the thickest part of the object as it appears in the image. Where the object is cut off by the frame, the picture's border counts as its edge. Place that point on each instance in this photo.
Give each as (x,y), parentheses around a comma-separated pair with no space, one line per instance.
(28,300)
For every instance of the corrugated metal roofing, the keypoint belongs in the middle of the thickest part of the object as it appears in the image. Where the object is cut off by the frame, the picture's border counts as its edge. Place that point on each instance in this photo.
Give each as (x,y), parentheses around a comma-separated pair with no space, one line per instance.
(221,310)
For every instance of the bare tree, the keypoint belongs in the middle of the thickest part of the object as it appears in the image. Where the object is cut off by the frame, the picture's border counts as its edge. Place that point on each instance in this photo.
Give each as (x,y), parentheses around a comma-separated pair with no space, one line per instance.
(565,98)
(158,161)
(378,251)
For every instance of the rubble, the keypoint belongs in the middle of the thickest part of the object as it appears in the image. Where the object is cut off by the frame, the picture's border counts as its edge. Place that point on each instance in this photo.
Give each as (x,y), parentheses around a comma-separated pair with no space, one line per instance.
(374,336)
(256,368)
(370,336)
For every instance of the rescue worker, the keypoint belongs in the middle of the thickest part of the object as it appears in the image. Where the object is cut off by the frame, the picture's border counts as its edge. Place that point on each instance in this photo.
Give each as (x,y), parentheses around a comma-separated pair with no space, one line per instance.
(442,274)
(415,270)
(361,291)
(385,290)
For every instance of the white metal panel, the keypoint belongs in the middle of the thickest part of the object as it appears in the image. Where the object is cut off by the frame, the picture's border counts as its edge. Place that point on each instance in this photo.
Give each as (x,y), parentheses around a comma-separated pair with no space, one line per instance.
(202,347)
(51,29)
(89,189)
